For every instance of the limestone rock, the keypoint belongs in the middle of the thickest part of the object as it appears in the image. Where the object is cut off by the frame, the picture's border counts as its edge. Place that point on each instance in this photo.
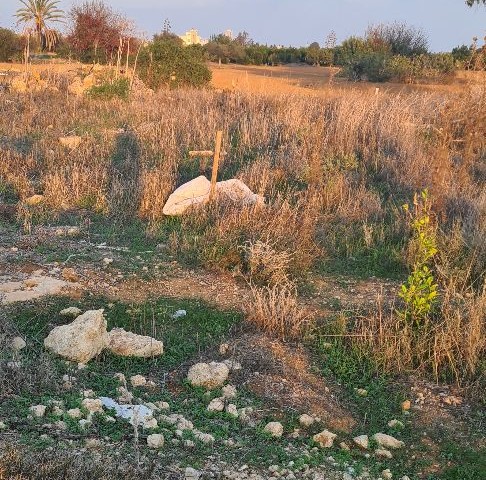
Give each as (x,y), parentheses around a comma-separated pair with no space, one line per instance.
(71,312)
(38,410)
(387,441)
(192,474)
(306,420)
(386,474)
(138,381)
(187,195)
(74,413)
(362,441)
(93,405)
(325,438)
(383,453)
(18,343)
(208,375)
(128,344)
(156,440)
(216,405)
(275,429)
(81,340)
(229,391)
(395,424)
(232,410)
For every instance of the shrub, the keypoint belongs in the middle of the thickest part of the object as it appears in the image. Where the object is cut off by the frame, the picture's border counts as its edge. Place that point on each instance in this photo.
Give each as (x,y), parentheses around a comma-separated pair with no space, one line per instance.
(119,88)
(166,62)
(10,45)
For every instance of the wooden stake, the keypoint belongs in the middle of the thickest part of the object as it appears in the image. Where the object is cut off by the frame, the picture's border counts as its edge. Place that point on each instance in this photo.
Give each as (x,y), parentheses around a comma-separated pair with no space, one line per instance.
(217,153)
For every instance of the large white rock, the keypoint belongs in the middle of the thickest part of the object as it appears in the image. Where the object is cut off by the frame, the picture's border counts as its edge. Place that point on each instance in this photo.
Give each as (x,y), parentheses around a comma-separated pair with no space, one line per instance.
(187,195)
(236,191)
(387,441)
(208,375)
(81,340)
(325,438)
(156,440)
(128,344)
(197,192)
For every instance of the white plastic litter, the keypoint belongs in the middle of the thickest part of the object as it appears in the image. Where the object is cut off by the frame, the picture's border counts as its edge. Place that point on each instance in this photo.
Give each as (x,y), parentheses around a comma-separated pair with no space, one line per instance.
(128,412)
(179,314)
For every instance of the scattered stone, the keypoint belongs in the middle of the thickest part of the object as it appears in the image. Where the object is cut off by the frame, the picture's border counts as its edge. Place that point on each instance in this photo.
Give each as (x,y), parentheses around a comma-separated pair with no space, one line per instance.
(229,391)
(38,410)
(452,400)
(18,343)
(179,314)
(232,410)
(92,443)
(406,405)
(216,405)
(232,364)
(88,393)
(133,413)
(156,440)
(306,420)
(223,348)
(192,474)
(386,474)
(208,375)
(395,424)
(121,378)
(150,423)
(74,413)
(387,441)
(275,429)
(383,453)
(162,405)
(128,344)
(107,261)
(125,396)
(57,411)
(70,142)
(138,381)
(84,423)
(203,437)
(325,438)
(362,441)
(189,444)
(12,292)
(93,405)
(71,312)
(405,477)
(3,426)
(362,392)
(81,340)
(344,446)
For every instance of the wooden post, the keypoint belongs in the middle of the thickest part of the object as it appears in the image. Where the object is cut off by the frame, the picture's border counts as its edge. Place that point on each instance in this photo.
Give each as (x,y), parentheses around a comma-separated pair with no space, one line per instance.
(217,153)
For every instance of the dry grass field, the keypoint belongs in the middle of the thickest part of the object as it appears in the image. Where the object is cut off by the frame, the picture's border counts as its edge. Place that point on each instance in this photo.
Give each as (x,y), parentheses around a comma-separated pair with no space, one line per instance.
(354,294)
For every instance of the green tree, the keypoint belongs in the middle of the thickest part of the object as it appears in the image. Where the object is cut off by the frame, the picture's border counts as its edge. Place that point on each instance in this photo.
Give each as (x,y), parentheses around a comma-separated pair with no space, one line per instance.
(36,15)
(472,2)
(10,45)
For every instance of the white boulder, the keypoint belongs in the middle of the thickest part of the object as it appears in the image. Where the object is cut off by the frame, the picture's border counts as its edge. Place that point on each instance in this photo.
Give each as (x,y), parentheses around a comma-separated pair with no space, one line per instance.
(156,440)
(81,340)
(187,195)
(325,438)
(208,375)
(387,441)
(128,344)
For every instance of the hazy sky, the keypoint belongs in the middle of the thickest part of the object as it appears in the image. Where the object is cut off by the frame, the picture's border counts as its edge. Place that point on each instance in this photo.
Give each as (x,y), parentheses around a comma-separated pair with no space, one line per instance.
(447,23)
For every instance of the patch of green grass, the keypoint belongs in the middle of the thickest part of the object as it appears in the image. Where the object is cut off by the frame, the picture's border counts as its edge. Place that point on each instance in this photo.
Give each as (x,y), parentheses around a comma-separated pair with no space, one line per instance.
(464,463)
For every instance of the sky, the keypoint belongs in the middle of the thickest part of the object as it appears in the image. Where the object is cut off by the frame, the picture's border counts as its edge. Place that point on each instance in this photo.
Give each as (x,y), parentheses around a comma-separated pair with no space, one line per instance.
(447,23)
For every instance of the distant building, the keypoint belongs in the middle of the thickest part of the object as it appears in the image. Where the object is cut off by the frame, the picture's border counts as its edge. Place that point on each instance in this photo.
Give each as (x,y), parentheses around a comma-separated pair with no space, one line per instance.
(228,33)
(192,38)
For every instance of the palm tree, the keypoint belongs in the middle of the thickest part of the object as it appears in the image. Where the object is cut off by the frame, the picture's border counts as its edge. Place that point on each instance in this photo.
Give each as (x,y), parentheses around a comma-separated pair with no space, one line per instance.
(35,14)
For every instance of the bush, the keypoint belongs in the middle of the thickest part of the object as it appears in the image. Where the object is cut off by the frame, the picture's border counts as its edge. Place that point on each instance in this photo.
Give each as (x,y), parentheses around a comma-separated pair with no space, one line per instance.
(10,45)
(111,89)
(165,62)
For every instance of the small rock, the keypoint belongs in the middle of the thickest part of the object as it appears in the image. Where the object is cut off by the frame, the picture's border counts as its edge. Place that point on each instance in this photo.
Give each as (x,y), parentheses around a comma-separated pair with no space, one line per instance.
(395,424)
(406,405)
(387,441)
(208,375)
(275,429)
(232,410)
(204,437)
(138,381)
(74,413)
(93,405)
(107,261)
(156,440)
(362,441)
(216,405)
(18,343)
(362,392)
(57,411)
(121,378)
(383,453)
(88,393)
(34,200)
(192,474)
(162,405)
(179,314)
(71,312)
(128,344)
(83,423)
(92,443)
(229,391)
(125,396)
(386,474)
(150,423)
(306,420)
(232,364)
(71,142)
(70,275)
(344,446)
(3,426)
(38,410)
(405,477)
(223,348)
(325,438)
